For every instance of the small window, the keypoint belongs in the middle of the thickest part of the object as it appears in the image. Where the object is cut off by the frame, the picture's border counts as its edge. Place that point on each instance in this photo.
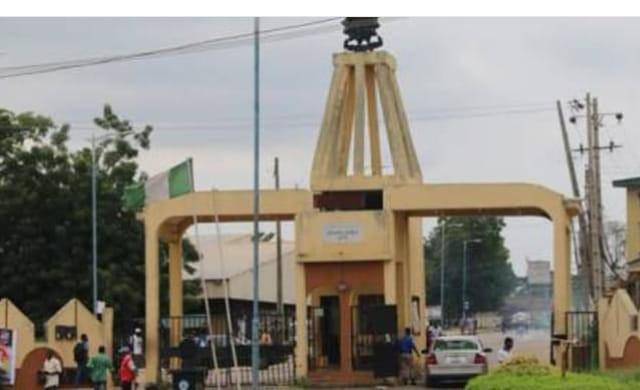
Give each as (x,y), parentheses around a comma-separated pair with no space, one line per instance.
(634,323)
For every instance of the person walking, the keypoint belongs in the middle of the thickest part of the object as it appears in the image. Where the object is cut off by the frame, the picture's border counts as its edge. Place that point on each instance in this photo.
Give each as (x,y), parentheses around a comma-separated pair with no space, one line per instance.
(81,357)
(407,348)
(100,366)
(52,370)
(127,371)
(137,347)
(504,354)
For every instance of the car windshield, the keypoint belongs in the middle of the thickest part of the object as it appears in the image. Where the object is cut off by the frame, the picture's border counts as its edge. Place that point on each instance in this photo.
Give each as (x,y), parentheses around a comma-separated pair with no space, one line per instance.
(454,345)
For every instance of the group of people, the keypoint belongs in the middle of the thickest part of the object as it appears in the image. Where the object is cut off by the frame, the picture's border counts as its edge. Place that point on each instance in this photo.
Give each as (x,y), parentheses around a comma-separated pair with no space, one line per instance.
(95,369)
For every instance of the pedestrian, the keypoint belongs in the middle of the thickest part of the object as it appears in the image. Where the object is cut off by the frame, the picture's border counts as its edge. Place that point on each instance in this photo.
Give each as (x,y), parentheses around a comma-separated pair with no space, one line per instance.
(137,343)
(128,370)
(52,370)
(407,348)
(504,354)
(100,366)
(81,357)
(265,337)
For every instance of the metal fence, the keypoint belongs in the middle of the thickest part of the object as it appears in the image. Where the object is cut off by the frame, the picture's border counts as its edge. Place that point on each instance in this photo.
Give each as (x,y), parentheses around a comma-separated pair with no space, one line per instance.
(582,335)
(185,343)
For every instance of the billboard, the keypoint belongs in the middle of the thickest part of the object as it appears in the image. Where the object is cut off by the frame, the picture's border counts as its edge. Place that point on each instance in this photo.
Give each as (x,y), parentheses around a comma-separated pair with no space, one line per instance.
(7,356)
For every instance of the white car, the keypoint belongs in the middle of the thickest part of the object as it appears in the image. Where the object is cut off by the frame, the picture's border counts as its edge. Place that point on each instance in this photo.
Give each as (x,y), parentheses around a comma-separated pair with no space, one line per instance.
(455,358)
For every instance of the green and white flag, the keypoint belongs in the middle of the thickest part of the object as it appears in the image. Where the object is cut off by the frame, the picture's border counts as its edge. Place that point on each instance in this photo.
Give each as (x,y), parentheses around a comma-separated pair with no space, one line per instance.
(166,185)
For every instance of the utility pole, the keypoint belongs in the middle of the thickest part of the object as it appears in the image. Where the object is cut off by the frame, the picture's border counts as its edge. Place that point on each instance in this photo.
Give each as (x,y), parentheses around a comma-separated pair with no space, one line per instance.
(583,260)
(595,242)
(255,348)
(94,225)
(442,263)
(593,184)
(280,306)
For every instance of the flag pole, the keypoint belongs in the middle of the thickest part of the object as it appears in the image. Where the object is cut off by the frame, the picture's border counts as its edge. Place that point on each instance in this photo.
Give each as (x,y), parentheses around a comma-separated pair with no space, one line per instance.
(203,286)
(255,350)
(225,282)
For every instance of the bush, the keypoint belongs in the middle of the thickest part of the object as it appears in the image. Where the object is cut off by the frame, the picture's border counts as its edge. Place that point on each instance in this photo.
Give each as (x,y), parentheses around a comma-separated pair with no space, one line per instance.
(498,381)
(523,365)
(526,373)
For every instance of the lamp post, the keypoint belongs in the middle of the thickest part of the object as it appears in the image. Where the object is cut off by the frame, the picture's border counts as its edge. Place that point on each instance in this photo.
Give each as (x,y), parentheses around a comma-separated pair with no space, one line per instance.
(465,303)
(443,247)
(94,213)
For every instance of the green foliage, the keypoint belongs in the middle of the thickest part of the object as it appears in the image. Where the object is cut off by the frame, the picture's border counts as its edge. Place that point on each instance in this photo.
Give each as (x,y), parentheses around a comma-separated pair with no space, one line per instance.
(547,382)
(490,278)
(524,373)
(523,365)
(45,209)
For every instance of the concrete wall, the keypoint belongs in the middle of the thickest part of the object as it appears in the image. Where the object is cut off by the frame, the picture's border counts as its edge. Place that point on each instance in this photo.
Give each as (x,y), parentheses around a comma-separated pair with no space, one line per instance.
(618,331)
(12,318)
(633,223)
(74,313)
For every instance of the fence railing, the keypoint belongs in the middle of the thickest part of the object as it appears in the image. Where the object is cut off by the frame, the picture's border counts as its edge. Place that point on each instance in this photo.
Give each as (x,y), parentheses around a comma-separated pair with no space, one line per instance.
(185,343)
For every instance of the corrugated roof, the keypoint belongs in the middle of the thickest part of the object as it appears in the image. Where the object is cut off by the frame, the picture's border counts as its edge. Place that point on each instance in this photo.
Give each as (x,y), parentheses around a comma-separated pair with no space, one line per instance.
(628,182)
(237,251)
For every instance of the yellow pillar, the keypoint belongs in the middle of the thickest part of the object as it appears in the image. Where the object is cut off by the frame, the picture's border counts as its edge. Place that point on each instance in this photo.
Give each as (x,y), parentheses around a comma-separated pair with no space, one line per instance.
(561,272)
(416,275)
(175,294)
(302,347)
(152,307)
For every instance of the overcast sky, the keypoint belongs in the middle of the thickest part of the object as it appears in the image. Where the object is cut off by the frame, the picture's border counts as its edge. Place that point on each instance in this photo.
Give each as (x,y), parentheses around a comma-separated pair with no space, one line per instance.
(459,79)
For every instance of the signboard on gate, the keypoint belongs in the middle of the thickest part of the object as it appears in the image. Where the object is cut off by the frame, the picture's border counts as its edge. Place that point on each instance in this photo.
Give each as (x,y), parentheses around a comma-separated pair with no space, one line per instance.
(342,233)
(8,352)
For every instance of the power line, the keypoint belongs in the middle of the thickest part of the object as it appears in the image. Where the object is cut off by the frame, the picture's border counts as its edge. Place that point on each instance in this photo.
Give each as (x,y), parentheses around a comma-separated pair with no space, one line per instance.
(233,125)
(272,34)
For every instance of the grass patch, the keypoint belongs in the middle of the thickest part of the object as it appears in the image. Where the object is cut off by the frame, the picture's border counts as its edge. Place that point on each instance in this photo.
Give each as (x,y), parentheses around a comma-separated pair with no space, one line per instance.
(528,374)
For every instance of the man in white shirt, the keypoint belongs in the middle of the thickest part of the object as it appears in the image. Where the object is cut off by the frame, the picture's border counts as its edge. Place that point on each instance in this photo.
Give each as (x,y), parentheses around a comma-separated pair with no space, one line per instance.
(137,347)
(504,354)
(52,370)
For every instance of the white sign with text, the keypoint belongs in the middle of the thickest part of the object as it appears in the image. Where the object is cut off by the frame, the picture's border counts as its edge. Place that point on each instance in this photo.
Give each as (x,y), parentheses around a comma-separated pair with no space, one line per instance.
(342,233)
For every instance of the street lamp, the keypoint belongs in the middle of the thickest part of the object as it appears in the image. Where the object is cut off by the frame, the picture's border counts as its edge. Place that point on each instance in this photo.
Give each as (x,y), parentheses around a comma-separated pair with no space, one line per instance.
(94,212)
(465,303)
(443,246)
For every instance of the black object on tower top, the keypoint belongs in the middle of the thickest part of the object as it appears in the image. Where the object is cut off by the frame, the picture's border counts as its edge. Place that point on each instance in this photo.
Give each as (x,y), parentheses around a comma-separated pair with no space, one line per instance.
(361,34)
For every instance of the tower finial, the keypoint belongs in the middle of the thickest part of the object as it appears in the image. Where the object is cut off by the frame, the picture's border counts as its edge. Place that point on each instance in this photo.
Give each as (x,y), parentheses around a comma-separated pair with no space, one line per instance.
(361,34)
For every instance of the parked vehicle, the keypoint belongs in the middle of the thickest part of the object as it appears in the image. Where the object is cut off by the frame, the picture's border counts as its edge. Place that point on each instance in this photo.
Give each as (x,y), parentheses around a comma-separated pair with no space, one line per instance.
(455,358)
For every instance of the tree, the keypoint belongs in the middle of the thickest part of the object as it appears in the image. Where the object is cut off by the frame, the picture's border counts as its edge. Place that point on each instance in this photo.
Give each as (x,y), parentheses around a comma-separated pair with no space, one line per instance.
(490,277)
(45,209)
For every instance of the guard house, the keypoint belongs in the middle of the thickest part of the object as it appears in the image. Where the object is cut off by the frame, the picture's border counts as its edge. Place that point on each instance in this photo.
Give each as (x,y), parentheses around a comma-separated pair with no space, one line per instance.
(359,270)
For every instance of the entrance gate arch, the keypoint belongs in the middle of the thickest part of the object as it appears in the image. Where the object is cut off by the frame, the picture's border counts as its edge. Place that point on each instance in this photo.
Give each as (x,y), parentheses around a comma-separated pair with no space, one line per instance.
(353,218)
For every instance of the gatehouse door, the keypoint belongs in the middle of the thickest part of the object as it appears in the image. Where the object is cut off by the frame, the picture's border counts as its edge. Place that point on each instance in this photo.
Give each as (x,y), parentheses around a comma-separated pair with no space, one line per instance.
(330,329)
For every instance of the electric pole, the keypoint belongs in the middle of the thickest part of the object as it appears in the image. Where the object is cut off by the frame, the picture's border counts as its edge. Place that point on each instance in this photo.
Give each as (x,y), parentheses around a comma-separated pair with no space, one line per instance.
(583,260)
(594,240)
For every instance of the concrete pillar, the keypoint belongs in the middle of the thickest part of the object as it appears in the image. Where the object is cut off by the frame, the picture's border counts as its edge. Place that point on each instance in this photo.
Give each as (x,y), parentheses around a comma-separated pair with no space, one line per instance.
(345,332)
(175,294)
(152,306)
(389,282)
(561,272)
(302,347)
(417,279)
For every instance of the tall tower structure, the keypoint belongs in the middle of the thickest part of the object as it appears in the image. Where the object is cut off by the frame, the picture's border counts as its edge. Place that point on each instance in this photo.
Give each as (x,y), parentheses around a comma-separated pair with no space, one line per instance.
(360,264)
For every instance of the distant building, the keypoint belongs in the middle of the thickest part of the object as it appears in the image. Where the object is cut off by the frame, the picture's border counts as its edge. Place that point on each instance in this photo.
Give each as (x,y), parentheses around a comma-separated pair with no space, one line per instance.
(534,294)
(238,269)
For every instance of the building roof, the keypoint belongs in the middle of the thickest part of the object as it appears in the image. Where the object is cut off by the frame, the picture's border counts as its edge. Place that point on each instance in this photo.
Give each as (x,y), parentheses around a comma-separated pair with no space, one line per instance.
(237,250)
(631,182)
